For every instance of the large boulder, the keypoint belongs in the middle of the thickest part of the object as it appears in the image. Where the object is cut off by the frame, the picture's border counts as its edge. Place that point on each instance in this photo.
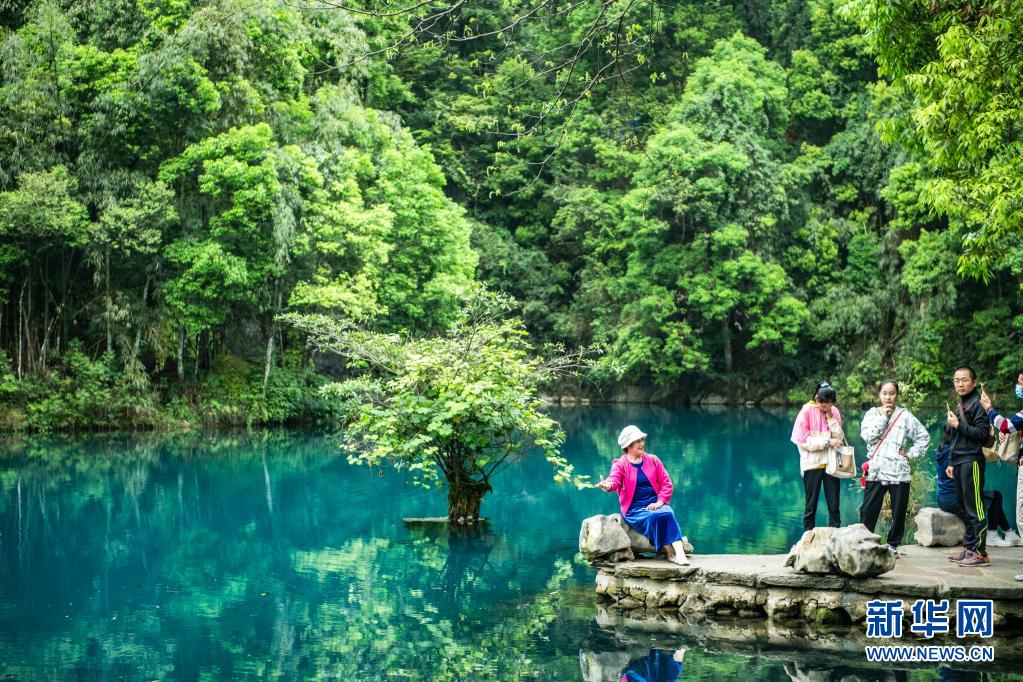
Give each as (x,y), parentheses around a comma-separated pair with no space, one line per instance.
(936,528)
(855,551)
(808,555)
(640,544)
(852,551)
(605,537)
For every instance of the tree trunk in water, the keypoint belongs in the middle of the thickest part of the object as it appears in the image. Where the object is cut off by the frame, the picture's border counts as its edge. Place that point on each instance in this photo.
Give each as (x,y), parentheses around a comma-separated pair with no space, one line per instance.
(464,499)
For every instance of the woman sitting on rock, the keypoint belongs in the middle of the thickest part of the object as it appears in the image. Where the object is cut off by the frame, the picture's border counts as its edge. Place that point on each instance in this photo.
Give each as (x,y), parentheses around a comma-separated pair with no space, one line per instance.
(644,490)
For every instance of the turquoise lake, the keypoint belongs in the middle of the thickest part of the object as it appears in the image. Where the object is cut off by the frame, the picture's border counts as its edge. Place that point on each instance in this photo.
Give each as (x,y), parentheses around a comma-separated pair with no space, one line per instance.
(268,556)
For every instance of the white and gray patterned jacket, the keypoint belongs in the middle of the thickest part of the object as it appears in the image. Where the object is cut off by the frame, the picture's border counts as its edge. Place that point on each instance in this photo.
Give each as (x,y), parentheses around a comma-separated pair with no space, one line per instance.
(886,464)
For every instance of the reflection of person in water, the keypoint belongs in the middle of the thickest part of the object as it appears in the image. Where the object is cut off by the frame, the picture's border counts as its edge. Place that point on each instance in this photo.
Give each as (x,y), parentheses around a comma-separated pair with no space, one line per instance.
(657,666)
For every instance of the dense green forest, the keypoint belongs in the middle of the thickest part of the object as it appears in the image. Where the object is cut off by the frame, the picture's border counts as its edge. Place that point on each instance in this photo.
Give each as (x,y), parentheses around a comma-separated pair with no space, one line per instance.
(731,198)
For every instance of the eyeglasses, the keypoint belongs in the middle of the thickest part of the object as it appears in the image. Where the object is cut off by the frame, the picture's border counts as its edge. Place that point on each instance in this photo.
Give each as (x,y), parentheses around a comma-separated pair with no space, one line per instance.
(962,381)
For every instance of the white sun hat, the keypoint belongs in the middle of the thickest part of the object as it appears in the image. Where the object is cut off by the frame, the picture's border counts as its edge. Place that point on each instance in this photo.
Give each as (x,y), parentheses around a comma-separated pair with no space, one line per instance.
(629,435)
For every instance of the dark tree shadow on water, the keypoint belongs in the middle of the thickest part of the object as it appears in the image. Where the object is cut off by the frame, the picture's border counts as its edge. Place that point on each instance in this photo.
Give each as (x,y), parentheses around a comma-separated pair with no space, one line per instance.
(467,564)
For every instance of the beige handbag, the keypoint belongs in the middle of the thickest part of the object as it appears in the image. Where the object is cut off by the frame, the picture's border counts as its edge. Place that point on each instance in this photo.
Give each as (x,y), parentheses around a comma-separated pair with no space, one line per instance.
(841,460)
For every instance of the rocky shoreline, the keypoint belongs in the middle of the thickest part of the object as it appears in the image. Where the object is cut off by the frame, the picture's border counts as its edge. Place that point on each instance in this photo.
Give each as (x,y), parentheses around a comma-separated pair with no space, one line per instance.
(761,586)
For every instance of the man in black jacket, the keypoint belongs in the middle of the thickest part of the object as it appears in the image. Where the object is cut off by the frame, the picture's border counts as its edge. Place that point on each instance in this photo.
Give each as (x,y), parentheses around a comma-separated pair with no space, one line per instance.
(966,430)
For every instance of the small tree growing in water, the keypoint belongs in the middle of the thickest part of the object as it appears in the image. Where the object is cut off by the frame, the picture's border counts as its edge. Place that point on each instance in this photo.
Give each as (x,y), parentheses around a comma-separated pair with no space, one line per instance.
(451,409)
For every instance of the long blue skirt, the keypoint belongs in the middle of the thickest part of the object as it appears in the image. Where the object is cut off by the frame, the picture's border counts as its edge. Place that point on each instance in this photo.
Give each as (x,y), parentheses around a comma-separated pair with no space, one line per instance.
(659,526)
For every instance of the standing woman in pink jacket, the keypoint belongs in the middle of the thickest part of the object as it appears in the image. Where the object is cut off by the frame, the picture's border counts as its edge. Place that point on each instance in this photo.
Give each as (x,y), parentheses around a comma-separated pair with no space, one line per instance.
(644,490)
(817,431)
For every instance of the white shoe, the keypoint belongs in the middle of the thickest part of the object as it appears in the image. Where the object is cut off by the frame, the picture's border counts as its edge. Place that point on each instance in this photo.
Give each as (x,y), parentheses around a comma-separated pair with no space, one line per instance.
(994,541)
(1013,537)
(680,554)
(1019,578)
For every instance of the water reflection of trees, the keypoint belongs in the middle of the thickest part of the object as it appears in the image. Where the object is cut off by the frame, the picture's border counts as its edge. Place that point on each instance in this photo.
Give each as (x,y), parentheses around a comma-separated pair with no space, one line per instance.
(249,556)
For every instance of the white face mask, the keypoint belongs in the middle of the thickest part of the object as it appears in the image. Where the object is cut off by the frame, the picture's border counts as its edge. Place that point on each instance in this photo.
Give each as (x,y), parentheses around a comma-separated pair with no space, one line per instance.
(1019,391)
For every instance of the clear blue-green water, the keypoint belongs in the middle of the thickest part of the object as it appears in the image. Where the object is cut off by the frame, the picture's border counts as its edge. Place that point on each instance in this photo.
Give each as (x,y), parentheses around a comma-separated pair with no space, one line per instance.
(244,556)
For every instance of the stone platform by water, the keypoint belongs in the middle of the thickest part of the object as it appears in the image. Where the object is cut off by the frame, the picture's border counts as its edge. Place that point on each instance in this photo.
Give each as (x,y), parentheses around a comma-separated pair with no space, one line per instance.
(760,586)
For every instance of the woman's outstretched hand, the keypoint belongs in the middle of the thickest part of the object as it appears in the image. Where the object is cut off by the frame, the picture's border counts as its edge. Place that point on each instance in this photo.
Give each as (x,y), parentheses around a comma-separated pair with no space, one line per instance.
(604,484)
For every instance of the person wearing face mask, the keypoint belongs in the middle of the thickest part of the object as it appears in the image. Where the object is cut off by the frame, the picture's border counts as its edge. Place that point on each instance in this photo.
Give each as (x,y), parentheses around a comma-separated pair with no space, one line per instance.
(886,429)
(1005,425)
(817,431)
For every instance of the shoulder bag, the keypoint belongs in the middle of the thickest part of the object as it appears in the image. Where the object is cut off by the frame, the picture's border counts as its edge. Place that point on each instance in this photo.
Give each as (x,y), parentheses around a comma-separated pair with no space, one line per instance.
(1008,447)
(841,460)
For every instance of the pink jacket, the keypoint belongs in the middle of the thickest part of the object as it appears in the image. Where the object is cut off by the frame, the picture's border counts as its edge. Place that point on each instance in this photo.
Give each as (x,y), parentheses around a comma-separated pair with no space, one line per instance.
(811,434)
(623,479)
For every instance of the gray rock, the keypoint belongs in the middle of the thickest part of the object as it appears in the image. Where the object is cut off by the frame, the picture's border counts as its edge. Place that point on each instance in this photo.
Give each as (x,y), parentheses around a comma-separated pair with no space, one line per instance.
(808,555)
(619,556)
(603,535)
(857,552)
(936,528)
(852,551)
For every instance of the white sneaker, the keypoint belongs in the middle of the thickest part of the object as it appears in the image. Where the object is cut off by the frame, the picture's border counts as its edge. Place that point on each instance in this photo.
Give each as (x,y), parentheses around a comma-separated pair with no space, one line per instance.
(1019,578)
(1013,537)
(994,541)
(680,554)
